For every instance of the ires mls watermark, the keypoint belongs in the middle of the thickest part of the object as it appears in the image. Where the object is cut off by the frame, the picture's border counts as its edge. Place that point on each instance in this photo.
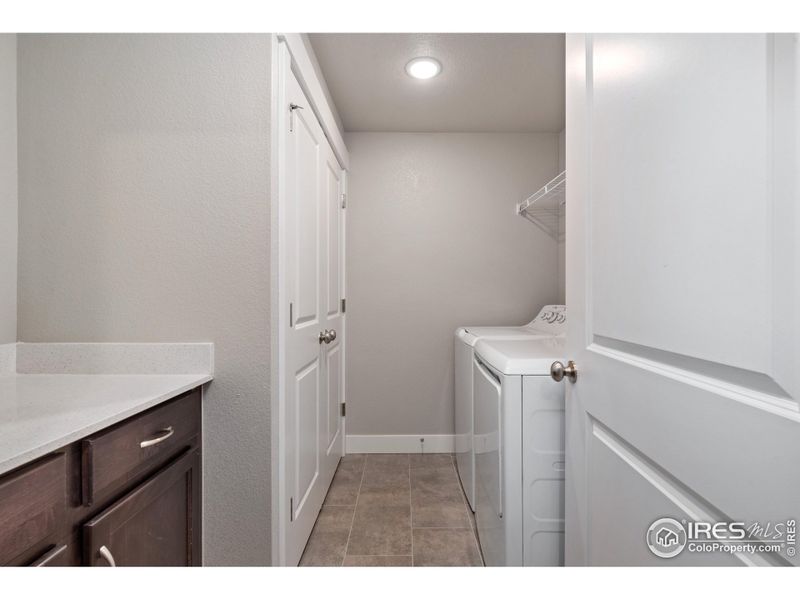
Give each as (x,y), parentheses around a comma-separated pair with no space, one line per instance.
(668,537)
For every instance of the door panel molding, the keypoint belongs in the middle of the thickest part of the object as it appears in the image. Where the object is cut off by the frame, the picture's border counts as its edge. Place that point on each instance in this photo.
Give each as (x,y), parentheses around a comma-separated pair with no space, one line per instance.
(682,496)
(756,389)
(333,400)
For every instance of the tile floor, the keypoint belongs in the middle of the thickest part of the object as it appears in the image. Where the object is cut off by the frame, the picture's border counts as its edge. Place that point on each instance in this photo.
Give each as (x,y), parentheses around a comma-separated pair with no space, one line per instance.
(394,510)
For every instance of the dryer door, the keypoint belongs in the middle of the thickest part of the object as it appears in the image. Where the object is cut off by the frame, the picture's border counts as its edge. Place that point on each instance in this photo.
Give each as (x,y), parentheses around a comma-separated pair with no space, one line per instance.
(488,463)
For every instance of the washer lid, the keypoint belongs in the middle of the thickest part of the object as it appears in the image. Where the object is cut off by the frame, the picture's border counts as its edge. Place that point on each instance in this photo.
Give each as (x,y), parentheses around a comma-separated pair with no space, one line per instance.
(521,357)
(470,335)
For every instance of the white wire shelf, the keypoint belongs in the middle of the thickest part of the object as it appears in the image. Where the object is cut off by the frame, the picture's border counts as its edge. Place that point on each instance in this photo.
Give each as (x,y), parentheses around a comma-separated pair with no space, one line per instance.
(545,208)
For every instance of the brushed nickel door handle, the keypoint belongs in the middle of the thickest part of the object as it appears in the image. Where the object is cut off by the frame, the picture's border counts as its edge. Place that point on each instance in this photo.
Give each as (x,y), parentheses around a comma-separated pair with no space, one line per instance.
(162,435)
(558,371)
(106,555)
(327,336)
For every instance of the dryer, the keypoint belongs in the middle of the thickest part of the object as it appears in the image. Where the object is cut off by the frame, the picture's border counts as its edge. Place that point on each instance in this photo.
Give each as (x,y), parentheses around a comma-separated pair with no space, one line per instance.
(519,452)
(551,321)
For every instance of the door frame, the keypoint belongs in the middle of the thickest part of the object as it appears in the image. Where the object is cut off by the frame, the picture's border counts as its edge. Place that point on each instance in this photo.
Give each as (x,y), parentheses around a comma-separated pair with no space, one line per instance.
(290,52)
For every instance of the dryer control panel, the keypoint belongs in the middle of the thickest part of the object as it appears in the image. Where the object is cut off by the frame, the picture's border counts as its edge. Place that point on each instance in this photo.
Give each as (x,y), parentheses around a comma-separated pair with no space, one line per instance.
(551,319)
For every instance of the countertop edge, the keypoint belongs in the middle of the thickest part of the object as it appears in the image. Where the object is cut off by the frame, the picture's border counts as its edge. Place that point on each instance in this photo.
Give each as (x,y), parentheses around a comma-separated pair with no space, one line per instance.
(33,454)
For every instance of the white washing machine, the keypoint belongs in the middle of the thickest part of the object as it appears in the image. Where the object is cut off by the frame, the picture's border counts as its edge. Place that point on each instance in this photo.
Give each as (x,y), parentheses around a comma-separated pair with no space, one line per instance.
(551,321)
(519,452)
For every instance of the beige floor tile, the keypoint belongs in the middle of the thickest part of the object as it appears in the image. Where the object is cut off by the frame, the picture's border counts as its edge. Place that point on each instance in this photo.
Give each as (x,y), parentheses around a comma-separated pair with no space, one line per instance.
(389,475)
(430,484)
(352,461)
(439,513)
(389,493)
(344,487)
(445,548)
(387,462)
(381,530)
(377,561)
(367,514)
(328,541)
(430,460)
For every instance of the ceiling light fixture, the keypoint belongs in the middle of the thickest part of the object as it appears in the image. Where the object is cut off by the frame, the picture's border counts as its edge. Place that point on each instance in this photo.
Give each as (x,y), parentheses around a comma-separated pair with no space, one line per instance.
(423,67)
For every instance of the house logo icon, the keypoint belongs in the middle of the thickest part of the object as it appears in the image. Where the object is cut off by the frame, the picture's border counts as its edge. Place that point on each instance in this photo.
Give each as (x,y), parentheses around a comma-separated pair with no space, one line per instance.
(666,537)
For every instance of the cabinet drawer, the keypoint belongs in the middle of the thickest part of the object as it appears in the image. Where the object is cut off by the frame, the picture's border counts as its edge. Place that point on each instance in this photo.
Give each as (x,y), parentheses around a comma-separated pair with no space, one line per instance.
(117,455)
(32,505)
(58,556)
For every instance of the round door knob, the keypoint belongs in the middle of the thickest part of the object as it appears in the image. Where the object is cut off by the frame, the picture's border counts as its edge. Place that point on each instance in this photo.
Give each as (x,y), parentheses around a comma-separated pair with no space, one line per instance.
(558,371)
(327,336)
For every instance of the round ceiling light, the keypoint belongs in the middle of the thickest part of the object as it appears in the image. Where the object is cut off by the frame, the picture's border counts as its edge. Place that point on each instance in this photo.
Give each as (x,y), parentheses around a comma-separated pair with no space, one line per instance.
(423,67)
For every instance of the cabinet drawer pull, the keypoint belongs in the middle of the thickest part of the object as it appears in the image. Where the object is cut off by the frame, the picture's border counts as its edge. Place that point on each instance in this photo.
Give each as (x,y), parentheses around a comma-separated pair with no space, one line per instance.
(160,437)
(105,553)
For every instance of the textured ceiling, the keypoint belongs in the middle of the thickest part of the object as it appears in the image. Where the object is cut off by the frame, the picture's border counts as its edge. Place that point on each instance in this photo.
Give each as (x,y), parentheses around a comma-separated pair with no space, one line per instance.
(489,82)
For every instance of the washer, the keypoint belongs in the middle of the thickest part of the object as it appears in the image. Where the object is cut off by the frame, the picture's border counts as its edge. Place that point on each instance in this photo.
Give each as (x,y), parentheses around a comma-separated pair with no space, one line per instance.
(551,321)
(519,452)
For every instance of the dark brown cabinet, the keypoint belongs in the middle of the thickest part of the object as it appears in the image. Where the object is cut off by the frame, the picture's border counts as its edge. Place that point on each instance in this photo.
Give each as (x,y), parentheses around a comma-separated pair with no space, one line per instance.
(154,524)
(32,506)
(127,496)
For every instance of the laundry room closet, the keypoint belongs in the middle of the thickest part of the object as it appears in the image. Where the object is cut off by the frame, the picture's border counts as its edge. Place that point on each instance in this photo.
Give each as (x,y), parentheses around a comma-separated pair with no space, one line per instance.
(434,239)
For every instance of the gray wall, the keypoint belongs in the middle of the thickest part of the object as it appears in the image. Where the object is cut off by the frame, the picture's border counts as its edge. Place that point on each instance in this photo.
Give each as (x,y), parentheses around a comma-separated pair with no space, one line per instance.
(8,188)
(433,243)
(144,216)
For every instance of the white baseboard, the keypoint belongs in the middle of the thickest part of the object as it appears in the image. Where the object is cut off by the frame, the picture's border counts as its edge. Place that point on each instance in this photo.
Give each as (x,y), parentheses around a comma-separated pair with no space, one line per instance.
(387,444)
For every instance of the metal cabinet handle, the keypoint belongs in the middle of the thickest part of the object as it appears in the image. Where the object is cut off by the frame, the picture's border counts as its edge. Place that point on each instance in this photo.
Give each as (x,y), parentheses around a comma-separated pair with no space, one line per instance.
(105,554)
(160,437)
(558,371)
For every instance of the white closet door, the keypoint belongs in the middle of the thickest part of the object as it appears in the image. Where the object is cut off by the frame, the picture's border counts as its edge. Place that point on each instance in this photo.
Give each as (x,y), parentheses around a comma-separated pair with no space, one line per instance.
(333,295)
(313,279)
(683,284)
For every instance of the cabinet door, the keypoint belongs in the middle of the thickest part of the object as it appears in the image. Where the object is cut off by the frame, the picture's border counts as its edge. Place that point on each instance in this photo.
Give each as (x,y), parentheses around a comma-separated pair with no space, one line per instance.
(157,524)
(32,509)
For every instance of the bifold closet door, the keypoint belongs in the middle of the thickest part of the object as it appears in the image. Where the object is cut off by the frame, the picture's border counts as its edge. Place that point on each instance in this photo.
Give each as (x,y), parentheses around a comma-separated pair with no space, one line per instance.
(683,283)
(312,424)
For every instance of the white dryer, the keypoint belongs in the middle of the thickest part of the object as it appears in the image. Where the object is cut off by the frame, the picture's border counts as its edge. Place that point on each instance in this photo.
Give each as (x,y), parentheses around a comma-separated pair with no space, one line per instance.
(551,321)
(519,452)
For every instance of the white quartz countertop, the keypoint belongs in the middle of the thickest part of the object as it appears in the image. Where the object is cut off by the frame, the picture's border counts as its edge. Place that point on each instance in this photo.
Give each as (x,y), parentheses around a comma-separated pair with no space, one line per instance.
(42,413)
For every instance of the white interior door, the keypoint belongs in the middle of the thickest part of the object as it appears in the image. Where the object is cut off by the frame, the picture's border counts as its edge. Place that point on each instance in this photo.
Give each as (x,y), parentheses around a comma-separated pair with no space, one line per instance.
(683,284)
(313,280)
